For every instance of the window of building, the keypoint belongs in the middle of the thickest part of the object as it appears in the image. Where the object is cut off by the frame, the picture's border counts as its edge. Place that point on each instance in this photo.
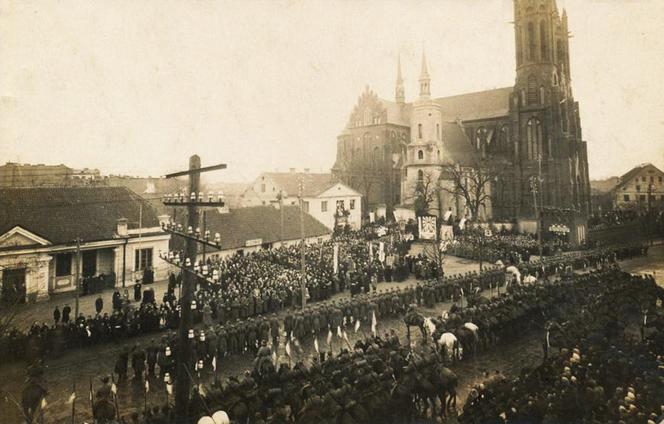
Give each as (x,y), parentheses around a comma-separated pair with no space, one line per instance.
(532,90)
(63,264)
(420,175)
(323,206)
(541,95)
(142,259)
(340,205)
(642,197)
(652,179)
(419,130)
(531,41)
(626,197)
(352,204)
(643,179)
(534,137)
(420,154)
(659,179)
(638,188)
(262,188)
(305,206)
(543,46)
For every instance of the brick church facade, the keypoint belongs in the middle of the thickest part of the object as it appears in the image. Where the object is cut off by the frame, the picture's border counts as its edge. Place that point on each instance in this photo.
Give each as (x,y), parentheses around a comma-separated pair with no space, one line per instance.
(530,129)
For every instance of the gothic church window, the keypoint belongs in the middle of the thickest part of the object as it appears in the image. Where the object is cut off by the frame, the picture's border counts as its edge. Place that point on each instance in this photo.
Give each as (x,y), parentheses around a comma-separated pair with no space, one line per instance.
(534,138)
(541,95)
(543,46)
(531,41)
(481,138)
(420,175)
(367,117)
(420,155)
(532,90)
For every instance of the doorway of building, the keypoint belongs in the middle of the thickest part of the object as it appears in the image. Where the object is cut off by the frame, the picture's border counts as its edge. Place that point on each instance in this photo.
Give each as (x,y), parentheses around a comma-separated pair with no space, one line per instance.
(13,286)
(89,266)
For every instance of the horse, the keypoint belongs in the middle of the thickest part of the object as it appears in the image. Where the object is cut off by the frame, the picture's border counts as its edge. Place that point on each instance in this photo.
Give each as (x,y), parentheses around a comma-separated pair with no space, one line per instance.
(413,319)
(449,345)
(467,339)
(103,411)
(31,399)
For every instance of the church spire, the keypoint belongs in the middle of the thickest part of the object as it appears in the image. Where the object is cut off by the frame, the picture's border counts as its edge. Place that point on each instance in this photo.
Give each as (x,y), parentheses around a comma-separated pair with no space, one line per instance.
(425,81)
(400,93)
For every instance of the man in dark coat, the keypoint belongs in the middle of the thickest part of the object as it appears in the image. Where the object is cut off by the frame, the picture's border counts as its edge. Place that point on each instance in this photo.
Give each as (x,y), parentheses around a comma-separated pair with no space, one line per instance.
(121,366)
(99,304)
(138,362)
(56,315)
(66,311)
(137,292)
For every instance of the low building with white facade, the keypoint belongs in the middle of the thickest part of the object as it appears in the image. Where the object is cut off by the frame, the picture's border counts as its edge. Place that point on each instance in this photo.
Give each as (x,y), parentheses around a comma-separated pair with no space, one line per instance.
(118,231)
(641,187)
(326,198)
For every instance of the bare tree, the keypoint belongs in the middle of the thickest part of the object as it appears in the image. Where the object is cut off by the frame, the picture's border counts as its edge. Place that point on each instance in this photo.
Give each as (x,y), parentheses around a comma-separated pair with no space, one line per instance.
(472,183)
(425,192)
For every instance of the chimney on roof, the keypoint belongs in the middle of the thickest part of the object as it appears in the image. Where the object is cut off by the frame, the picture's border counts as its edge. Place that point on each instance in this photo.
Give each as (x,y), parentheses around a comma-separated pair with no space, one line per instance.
(122,229)
(292,170)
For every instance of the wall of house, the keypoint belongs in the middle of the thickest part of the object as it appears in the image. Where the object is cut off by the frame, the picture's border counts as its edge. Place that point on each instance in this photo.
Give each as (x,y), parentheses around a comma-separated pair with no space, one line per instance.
(160,267)
(36,266)
(330,198)
(647,186)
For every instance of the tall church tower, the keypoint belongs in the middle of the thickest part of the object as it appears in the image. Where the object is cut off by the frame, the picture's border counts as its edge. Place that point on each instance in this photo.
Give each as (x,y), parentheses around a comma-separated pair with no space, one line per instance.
(423,161)
(545,118)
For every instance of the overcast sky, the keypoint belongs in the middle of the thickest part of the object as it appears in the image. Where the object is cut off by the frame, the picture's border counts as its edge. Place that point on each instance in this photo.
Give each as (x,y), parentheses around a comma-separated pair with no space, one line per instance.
(137,86)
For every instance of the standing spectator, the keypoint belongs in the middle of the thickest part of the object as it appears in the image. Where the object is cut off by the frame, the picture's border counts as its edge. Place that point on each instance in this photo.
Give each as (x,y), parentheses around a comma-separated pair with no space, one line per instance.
(56,315)
(99,304)
(117,301)
(65,313)
(137,292)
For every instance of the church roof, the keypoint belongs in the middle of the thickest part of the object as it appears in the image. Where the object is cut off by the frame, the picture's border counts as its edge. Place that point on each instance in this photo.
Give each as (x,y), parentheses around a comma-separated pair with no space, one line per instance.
(465,107)
(479,105)
(457,147)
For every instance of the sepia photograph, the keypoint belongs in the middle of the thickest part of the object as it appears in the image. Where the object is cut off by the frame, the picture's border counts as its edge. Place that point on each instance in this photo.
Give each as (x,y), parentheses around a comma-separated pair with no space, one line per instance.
(331,212)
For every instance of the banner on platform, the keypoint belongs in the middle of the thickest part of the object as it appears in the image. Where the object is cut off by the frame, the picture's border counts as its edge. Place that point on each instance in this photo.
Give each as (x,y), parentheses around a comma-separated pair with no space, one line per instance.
(446,232)
(381,251)
(427,227)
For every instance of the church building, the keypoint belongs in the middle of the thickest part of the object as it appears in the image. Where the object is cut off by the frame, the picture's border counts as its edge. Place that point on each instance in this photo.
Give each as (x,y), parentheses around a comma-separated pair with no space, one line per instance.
(530,132)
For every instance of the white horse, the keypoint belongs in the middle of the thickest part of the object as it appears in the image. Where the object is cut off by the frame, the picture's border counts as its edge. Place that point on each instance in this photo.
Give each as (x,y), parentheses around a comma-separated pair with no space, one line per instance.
(450,345)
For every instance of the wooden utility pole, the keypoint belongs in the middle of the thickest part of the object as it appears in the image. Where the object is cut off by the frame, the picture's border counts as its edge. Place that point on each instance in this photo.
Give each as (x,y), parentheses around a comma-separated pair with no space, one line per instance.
(182,384)
(77,275)
(539,210)
(303,281)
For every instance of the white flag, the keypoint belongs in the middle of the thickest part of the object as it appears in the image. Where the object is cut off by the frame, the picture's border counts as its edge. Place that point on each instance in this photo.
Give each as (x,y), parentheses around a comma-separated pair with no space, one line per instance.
(169,388)
(214,363)
(338,331)
(373,322)
(274,358)
(336,259)
(381,251)
(316,345)
(147,386)
(114,388)
(288,349)
(461,291)
(329,337)
(72,397)
(357,325)
(370,251)
(345,336)
(547,340)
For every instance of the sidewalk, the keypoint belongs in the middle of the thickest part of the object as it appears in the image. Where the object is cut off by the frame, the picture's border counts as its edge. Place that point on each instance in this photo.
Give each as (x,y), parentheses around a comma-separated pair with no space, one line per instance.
(43,311)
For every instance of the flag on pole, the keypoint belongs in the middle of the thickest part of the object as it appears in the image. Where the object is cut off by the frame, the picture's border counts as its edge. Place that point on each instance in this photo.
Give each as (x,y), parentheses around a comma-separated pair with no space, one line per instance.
(338,331)
(43,403)
(373,322)
(345,336)
(274,358)
(288,349)
(114,388)
(461,291)
(357,325)
(336,258)
(381,251)
(147,386)
(72,397)
(316,345)
(169,389)
(214,363)
(329,337)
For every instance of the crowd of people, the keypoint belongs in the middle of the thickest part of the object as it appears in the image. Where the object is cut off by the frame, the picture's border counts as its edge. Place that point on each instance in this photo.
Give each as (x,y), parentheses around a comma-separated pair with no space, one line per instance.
(378,378)
(603,372)
(651,219)
(504,247)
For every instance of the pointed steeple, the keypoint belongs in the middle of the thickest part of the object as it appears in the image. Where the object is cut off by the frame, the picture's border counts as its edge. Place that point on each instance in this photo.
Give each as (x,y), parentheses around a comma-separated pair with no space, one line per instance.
(425,81)
(400,93)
